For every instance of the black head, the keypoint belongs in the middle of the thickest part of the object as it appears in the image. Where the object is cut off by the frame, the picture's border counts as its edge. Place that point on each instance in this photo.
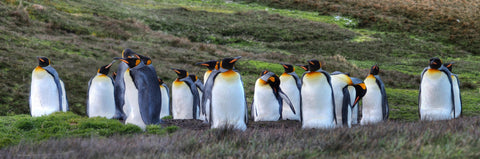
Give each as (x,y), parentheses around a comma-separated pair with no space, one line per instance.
(180,73)
(449,66)
(145,59)
(128,53)
(288,68)
(274,82)
(435,63)
(314,65)
(43,61)
(209,64)
(229,63)
(271,79)
(160,81)
(105,69)
(193,77)
(131,62)
(360,91)
(374,70)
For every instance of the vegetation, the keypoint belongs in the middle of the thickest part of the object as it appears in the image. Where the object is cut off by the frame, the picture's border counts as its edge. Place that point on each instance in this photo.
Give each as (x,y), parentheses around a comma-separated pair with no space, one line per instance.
(80,36)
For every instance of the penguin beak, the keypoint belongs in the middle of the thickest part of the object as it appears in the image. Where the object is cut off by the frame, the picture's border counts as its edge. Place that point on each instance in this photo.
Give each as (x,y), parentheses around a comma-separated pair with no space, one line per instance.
(40,59)
(235,59)
(176,71)
(111,63)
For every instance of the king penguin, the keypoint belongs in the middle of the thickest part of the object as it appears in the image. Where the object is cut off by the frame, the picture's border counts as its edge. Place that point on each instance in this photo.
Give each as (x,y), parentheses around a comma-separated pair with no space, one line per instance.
(436,95)
(100,100)
(360,91)
(224,94)
(199,84)
(119,91)
(291,84)
(347,94)
(374,103)
(456,90)
(185,97)
(268,98)
(142,94)
(210,65)
(47,91)
(318,105)
(166,106)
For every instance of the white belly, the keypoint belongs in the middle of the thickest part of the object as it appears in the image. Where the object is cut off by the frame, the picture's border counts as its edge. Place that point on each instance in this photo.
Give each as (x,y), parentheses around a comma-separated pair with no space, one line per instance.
(265,104)
(131,100)
(456,92)
(289,87)
(228,103)
(317,103)
(436,101)
(372,103)
(199,114)
(182,101)
(165,103)
(101,102)
(44,94)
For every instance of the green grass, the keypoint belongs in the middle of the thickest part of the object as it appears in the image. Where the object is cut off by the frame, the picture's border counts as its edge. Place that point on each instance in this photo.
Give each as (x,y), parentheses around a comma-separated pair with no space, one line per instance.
(80,36)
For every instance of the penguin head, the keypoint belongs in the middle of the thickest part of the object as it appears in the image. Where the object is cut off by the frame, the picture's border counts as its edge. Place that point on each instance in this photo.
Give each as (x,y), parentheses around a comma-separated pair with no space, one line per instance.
(360,89)
(314,65)
(288,68)
(374,70)
(435,63)
(145,59)
(43,61)
(305,67)
(449,66)
(128,53)
(105,69)
(229,62)
(180,73)
(209,64)
(270,78)
(131,62)
(193,77)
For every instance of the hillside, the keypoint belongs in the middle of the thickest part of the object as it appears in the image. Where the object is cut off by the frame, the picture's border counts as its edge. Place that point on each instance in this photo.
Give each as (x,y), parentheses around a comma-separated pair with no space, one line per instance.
(80,36)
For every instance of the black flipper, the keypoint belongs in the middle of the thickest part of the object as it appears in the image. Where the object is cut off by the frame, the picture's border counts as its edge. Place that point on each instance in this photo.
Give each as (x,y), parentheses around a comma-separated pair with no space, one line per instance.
(196,96)
(345,106)
(385,108)
(56,78)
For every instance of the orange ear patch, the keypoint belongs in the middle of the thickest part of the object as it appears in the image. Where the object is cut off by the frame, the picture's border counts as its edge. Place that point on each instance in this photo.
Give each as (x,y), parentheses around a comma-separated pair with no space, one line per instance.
(137,62)
(271,79)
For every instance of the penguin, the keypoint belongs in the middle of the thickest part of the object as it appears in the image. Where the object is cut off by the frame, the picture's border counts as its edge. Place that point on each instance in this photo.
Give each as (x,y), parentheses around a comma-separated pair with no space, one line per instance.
(119,91)
(360,91)
(456,90)
(100,97)
(318,104)
(291,84)
(166,106)
(210,65)
(436,94)
(142,94)
(47,91)
(347,94)
(268,98)
(199,84)
(224,94)
(374,104)
(185,97)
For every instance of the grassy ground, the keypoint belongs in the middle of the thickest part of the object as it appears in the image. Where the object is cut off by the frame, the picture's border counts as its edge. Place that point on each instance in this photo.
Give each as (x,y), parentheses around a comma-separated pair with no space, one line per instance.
(80,36)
